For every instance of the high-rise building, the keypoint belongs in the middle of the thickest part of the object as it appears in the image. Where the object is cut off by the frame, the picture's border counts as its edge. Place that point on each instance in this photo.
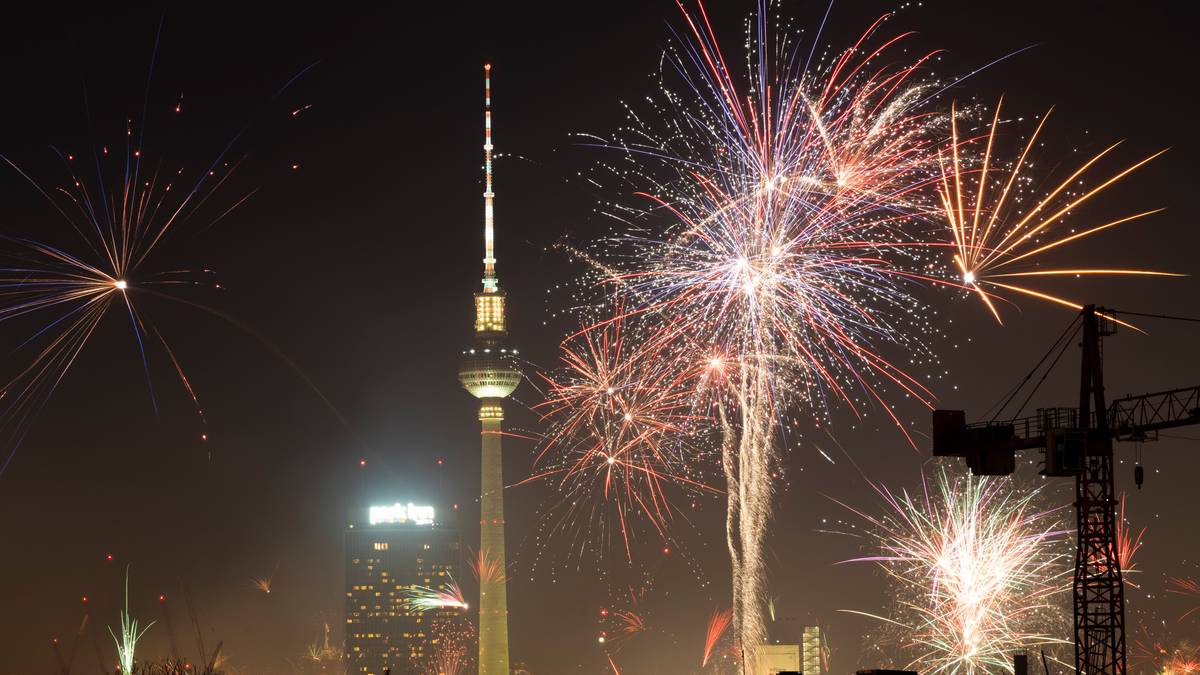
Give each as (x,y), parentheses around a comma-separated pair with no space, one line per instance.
(394,548)
(811,646)
(489,372)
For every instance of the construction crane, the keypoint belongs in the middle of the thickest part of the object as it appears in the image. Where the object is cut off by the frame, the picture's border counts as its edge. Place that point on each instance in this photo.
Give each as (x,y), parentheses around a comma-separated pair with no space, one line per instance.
(1078,443)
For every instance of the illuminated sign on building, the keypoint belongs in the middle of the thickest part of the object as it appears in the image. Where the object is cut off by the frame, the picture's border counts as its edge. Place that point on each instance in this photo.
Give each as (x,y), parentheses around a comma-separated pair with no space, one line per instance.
(401,513)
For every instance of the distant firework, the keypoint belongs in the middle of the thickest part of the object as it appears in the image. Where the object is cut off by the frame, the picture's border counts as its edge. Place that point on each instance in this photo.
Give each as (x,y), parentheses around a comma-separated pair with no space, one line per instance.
(264,583)
(451,648)
(999,239)
(978,572)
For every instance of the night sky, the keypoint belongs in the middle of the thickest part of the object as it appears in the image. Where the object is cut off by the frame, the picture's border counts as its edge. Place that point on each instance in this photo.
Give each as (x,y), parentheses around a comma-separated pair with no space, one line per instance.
(358,268)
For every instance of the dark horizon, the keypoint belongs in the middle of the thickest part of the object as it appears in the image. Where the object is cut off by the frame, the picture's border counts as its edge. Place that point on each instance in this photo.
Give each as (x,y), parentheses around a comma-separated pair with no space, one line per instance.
(349,274)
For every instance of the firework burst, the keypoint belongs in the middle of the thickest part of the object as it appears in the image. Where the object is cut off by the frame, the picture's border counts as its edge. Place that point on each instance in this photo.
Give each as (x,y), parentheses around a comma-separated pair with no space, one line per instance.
(119,225)
(622,429)
(765,267)
(997,245)
(979,571)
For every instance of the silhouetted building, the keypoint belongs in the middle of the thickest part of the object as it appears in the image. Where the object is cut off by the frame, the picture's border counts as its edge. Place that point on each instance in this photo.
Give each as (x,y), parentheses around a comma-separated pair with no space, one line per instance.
(395,548)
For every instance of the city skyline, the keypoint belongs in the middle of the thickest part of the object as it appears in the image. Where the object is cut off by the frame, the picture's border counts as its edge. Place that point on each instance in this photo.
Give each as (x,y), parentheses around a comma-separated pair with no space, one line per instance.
(350,263)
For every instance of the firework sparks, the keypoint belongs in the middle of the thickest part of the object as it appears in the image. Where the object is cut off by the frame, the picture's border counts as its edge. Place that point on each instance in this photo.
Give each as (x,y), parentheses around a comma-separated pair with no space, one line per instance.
(120,230)
(1128,543)
(718,623)
(452,647)
(323,651)
(421,599)
(977,570)
(486,569)
(994,241)
(621,428)
(1188,588)
(264,583)
(1165,657)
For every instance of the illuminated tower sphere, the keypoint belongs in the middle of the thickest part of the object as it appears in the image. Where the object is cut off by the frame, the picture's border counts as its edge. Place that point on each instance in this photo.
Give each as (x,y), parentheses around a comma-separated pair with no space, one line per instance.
(489,371)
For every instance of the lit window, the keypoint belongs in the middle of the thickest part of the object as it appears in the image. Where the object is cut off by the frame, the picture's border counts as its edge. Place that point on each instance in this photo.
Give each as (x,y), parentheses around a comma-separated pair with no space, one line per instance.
(381,546)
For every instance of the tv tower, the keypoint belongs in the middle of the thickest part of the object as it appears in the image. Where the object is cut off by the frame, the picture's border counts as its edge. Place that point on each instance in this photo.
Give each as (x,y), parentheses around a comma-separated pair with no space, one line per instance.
(489,372)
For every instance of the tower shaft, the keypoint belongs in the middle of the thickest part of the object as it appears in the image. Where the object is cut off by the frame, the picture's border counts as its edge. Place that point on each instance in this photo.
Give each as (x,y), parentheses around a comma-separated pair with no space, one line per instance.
(493,594)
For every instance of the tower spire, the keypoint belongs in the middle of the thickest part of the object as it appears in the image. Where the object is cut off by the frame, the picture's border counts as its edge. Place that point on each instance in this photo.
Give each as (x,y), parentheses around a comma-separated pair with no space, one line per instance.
(490,283)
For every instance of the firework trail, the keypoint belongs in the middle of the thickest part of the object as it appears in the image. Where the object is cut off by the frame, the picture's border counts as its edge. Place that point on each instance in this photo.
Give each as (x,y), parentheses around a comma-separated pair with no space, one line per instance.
(1188,588)
(718,623)
(421,599)
(994,239)
(781,268)
(978,571)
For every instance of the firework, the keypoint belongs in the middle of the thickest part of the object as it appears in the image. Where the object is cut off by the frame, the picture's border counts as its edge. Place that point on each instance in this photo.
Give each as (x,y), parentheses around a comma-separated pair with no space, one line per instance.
(486,569)
(1188,588)
(264,583)
(1165,657)
(127,642)
(718,623)
(72,292)
(994,240)
(119,207)
(627,620)
(1128,543)
(452,648)
(421,599)
(978,571)
(622,429)
(766,266)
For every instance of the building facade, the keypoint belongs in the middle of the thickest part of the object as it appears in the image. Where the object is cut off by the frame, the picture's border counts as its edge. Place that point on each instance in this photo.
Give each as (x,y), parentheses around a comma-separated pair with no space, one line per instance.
(391,550)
